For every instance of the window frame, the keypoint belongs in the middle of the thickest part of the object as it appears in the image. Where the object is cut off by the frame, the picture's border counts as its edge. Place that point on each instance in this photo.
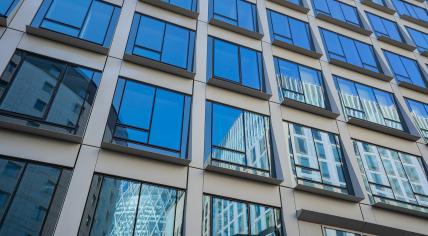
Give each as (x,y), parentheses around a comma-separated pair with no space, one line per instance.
(412,115)
(10,12)
(387,8)
(408,17)
(165,4)
(424,51)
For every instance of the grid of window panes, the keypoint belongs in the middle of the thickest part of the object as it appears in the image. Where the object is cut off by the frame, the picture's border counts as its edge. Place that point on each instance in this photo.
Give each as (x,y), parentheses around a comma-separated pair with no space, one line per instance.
(419,38)
(338,10)
(40,92)
(94,20)
(393,177)
(385,27)
(7,6)
(300,83)
(240,13)
(317,158)
(406,8)
(31,196)
(149,118)
(117,206)
(161,41)
(239,140)
(349,50)
(419,113)
(223,216)
(370,104)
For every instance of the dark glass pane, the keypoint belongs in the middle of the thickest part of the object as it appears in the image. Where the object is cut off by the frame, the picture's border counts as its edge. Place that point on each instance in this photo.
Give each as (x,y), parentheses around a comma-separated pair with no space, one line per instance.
(333,43)
(10,171)
(175,46)
(420,39)
(250,68)
(262,220)
(227,128)
(280,26)
(227,9)
(351,52)
(97,22)
(256,140)
(300,32)
(226,61)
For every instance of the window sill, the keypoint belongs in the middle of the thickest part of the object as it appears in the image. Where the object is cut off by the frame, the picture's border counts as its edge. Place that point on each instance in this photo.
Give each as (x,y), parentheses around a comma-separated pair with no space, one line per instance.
(236,29)
(239,88)
(62,38)
(159,66)
(391,207)
(383,129)
(290,5)
(309,108)
(294,48)
(396,43)
(328,193)
(414,20)
(173,8)
(412,87)
(146,152)
(424,53)
(361,70)
(240,174)
(354,28)
(378,7)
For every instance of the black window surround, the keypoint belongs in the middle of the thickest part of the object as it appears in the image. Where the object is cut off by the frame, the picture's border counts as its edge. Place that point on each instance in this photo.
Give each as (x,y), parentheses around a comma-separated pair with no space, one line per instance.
(63,80)
(410,18)
(192,13)
(303,7)
(387,9)
(256,34)
(114,138)
(10,13)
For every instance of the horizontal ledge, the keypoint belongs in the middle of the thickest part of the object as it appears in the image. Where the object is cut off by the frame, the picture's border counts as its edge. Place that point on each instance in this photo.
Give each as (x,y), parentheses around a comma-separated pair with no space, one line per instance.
(144,153)
(361,70)
(159,66)
(294,48)
(309,108)
(401,209)
(173,8)
(425,53)
(414,20)
(383,129)
(244,175)
(346,197)
(239,88)
(236,29)
(351,224)
(378,7)
(396,43)
(354,28)
(293,6)
(3,21)
(412,87)
(65,39)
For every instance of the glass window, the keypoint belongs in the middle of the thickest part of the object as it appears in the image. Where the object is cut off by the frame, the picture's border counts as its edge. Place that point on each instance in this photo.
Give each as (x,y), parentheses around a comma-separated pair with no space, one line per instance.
(7,6)
(239,13)
(385,27)
(370,104)
(118,206)
(229,217)
(90,20)
(149,118)
(235,64)
(336,232)
(161,41)
(405,8)
(338,10)
(405,69)
(47,93)
(380,2)
(290,30)
(30,197)
(393,177)
(419,112)
(317,159)
(420,38)
(300,83)
(240,140)
(352,51)
(186,4)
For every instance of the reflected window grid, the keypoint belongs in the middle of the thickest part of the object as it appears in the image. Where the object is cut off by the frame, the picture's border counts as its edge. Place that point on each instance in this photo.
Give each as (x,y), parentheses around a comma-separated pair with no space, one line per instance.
(405,69)
(419,38)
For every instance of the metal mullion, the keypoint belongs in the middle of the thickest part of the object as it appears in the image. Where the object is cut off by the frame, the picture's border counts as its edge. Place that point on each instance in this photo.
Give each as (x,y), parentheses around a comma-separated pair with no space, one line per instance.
(163,41)
(386,174)
(245,136)
(408,75)
(175,211)
(98,198)
(249,218)
(407,177)
(137,208)
(147,144)
(254,17)
(188,48)
(55,91)
(211,207)
(132,127)
(237,13)
(235,20)
(148,49)
(120,104)
(151,115)
(359,101)
(31,118)
(316,155)
(86,16)
(51,200)
(83,104)
(182,120)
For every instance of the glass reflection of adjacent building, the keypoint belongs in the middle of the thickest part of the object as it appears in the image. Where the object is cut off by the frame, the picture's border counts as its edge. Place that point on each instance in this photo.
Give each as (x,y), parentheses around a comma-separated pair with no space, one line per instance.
(310,92)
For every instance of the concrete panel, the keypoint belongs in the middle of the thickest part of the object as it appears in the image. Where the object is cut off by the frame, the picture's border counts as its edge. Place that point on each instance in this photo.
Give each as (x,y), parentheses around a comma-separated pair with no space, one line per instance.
(311,229)
(193,211)
(295,57)
(25,15)
(197,131)
(8,42)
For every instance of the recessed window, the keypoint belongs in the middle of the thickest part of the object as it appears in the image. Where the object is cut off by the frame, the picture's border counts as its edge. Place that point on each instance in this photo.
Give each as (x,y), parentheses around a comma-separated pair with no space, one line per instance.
(385,27)
(235,64)
(90,20)
(408,9)
(290,30)
(380,2)
(125,207)
(419,112)
(317,159)
(161,41)
(420,38)
(7,6)
(230,217)
(239,140)
(392,177)
(338,10)
(366,103)
(351,51)
(239,13)
(336,232)
(44,91)
(149,118)
(405,69)
(27,187)
(300,83)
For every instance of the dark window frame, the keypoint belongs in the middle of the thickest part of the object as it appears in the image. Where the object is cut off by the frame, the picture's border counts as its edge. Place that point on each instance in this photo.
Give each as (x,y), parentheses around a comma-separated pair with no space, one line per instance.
(254,16)
(420,48)
(317,11)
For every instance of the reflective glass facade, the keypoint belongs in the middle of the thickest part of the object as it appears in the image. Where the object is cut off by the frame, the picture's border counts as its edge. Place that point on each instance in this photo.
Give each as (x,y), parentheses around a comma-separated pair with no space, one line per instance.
(240,13)
(338,10)
(419,113)
(385,27)
(419,38)
(405,69)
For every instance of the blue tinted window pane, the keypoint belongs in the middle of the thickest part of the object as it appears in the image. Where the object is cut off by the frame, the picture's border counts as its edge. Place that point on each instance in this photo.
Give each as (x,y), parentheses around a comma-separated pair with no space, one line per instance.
(405,69)
(333,44)
(136,107)
(279,24)
(367,56)
(223,223)
(167,119)
(175,47)
(250,68)
(227,9)
(338,10)
(246,15)
(226,61)
(97,22)
(10,171)
(227,128)
(350,13)
(420,39)
(301,34)
(69,13)
(150,36)
(419,113)
(187,4)
(385,27)
(236,12)
(5,6)
(405,8)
